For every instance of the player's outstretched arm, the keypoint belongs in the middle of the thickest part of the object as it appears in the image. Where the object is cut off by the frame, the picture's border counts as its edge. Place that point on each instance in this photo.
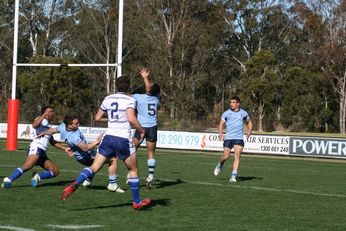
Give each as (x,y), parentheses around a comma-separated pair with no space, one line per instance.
(145,75)
(87,146)
(58,145)
(50,131)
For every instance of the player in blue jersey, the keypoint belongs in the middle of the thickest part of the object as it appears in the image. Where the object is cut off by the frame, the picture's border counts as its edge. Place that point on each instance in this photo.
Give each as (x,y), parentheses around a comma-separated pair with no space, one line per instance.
(234,118)
(83,151)
(117,142)
(36,153)
(147,106)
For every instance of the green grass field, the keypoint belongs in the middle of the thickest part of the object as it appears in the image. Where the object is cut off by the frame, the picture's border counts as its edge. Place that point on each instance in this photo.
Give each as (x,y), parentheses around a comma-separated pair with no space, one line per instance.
(272,194)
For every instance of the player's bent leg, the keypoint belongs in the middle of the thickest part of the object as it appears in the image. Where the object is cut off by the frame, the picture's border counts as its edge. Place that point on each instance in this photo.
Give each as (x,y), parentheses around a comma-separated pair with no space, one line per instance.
(51,170)
(85,174)
(28,164)
(223,158)
(98,163)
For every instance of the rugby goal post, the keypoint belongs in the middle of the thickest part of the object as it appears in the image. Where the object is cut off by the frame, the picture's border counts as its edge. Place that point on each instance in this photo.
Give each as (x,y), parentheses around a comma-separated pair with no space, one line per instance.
(13,103)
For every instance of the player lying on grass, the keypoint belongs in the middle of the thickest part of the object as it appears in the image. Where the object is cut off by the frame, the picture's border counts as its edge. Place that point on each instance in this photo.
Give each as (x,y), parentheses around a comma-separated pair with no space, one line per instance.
(120,111)
(36,153)
(83,151)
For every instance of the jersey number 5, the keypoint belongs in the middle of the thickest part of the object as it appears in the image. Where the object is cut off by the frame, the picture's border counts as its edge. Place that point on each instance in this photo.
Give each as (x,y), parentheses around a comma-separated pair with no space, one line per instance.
(151,109)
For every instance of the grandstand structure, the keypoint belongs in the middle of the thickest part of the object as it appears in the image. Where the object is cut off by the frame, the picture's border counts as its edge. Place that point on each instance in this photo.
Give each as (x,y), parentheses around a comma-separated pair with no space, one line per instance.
(13,103)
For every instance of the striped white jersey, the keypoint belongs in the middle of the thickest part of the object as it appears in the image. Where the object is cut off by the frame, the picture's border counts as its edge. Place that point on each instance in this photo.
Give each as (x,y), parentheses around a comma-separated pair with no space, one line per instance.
(43,141)
(115,106)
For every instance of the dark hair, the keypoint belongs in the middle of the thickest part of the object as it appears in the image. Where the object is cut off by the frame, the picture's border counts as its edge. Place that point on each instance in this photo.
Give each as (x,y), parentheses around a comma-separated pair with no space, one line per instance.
(123,84)
(45,108)
(236,98)
(68,119)
(154,89)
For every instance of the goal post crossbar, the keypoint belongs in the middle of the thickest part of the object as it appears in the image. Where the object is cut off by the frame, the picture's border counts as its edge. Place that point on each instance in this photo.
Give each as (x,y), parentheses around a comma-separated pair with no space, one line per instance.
(67,65)
(13,103)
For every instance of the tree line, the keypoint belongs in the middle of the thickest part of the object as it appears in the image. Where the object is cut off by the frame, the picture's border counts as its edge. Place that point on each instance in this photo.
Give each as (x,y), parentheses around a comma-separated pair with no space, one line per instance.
(285,59)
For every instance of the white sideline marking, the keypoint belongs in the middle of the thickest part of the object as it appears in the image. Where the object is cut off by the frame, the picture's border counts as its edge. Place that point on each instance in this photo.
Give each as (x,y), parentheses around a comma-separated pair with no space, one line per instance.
(76,226)
(15,228)
(264,189)
(227,184)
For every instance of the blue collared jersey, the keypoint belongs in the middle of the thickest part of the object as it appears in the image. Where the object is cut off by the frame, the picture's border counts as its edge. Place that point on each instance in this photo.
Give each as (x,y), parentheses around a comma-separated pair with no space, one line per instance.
(72,139)
(147,107)
(234,121)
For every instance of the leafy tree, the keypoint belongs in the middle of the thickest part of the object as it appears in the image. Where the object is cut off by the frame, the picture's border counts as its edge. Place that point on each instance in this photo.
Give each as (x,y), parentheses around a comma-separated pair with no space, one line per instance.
(306,104)
(259,84)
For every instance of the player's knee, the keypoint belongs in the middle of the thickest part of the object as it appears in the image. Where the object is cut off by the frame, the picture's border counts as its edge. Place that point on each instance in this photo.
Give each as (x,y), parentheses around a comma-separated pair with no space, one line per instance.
(55,172)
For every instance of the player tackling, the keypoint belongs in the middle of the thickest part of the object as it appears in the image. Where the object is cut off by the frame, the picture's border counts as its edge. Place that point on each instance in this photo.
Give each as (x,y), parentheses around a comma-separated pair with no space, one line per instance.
(120,110)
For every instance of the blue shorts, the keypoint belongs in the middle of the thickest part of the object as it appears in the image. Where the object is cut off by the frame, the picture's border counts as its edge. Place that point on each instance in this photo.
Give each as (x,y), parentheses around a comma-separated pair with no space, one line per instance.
(150,134)
(113,146)
(34,150)
(86,161)
(230,143)
(86,158)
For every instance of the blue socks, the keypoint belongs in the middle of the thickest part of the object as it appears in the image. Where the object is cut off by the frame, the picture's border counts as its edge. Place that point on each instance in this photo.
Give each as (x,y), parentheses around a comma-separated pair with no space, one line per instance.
(16,173)
(46,175)
(134,185)
(85,174)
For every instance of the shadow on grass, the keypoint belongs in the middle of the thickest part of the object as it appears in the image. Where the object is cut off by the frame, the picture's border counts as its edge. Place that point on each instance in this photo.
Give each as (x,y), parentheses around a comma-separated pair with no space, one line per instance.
(246,178)
(161,202)
(166,183)
(57,183)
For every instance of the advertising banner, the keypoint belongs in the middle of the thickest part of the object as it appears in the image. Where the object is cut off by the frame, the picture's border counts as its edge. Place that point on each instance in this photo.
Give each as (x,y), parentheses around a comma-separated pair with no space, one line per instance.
(313,146)
(256,144)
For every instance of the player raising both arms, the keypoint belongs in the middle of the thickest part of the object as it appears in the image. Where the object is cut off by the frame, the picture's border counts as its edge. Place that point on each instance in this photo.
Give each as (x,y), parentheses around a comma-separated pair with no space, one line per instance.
(120,109)
(147,106)
(36,153)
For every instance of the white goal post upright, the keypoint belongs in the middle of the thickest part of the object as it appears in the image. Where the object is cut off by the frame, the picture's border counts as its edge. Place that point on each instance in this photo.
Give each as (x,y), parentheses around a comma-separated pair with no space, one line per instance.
(13,103)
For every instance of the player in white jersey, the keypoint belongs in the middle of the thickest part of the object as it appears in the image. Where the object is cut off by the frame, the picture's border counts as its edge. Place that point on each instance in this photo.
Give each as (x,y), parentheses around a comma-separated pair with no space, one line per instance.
(36,153)
(120,110)
(82,150)
(234,118)
(147,107)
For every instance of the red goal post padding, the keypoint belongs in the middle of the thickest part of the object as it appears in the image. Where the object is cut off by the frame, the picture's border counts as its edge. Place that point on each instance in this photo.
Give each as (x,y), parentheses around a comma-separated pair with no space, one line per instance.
(12,124)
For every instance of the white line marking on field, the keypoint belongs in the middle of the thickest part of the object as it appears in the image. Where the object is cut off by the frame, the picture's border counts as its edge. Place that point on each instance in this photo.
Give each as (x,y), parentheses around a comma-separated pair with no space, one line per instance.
(227,184)
(76,226)
(15,228)
(264,189)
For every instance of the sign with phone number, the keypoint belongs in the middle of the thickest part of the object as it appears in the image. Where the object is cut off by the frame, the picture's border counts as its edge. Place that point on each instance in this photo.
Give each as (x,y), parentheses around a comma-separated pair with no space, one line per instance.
(210,141)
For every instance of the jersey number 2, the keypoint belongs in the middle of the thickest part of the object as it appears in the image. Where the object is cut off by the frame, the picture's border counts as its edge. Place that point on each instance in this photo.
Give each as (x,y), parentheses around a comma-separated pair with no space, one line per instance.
(114,111)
